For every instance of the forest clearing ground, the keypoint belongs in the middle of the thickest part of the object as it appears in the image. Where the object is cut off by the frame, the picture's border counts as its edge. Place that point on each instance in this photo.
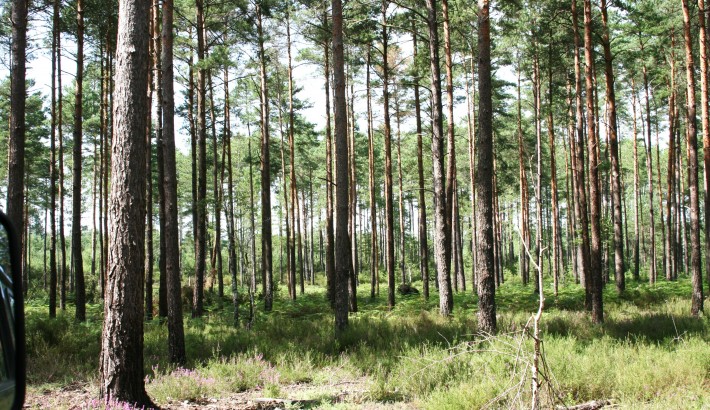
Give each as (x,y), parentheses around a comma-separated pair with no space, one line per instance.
(649,354)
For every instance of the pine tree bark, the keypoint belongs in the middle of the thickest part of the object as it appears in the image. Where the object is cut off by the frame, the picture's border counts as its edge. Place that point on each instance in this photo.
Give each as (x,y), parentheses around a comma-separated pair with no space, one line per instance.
(176,333)
(484,176)
(77,260)
(374,266)
(441,232)
(16,144)
(329,232)
(423,242)
(343,257)
(201,198)
(595,270)
(387,135)
(583,255)
(705,119)
(266,248)
(53,170)
(692,149)
(614,153)
(121,365)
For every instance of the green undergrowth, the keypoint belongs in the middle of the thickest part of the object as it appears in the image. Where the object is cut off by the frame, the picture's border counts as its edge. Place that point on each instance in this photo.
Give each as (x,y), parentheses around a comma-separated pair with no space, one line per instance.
(649,352)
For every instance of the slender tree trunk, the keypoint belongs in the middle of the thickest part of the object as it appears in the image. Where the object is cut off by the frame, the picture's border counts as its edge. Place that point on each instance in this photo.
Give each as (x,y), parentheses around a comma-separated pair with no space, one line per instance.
(614,151)
(484,176)
(471,93)
(152,72)
(583,255)
(649,173)
(402,230)
(524,198)
(266,248)
(374,274)
(292,176)
(343,259)
(705,118)
(692,147)
(53,170)
(423,242)
(163,284)
(594,278)
(389,207)
(329,230)
(201,227)
(121,365)
(556,248)
(77,260)
(451,142)
(176,333)
(670,204)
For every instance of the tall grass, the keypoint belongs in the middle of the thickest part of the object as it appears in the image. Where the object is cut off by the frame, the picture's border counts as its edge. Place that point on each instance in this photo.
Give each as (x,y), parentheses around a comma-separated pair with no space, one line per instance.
(649,352)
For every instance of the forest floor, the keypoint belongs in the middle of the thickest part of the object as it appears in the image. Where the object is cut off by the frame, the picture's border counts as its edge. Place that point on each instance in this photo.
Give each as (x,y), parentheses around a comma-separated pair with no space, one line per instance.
(649,353)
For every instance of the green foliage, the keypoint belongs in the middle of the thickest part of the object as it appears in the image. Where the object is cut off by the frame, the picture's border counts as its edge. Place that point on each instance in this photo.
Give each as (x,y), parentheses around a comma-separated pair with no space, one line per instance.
(648,350)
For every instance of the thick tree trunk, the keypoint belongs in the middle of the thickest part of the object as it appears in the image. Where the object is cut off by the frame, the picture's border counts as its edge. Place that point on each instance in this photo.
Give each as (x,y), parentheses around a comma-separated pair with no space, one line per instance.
(484,177)
(121,365)
(343,257)
(692,148)
(441,231)
(176,338)
(16,144)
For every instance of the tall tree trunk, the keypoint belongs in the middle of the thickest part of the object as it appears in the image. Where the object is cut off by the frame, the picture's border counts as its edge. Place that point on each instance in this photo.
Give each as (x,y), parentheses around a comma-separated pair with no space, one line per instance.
(484,176)
(692,147)
(389,206)
(402,230)
(595,270)
(152,74)
(266,248)
(329,230)
(163,284)
(649,173)
(227,143)
(556,247)
(374,274)
(343,257)
(16,143)
(176,333)
(670,204)
(637,227)
(53,170)
(524,197)
(452,226)
(201,227)
(77,259)
(441,232)
(537,90)
(705,118)
(583,255)
(614,151)
(292,173)
(121,365)
(423,242)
